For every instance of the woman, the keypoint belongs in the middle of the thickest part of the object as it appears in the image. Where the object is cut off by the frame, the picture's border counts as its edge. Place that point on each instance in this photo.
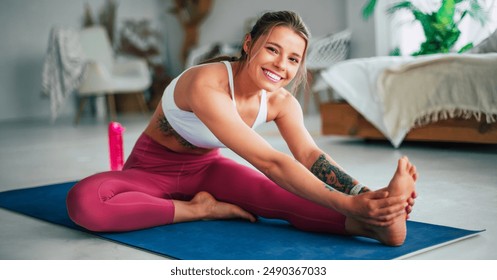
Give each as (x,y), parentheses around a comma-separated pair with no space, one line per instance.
(176,173)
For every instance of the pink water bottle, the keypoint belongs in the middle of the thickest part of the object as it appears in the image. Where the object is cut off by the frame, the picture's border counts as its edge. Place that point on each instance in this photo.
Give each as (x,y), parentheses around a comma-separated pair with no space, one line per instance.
(116,151)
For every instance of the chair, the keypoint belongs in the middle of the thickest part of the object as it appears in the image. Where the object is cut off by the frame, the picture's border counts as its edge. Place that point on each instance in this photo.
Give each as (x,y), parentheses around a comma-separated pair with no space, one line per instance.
(323,52)
(107,75)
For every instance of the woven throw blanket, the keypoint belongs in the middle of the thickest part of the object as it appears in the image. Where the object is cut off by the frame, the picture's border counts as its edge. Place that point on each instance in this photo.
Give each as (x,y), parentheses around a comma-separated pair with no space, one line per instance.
(355,80)
(438,87)
(63,67)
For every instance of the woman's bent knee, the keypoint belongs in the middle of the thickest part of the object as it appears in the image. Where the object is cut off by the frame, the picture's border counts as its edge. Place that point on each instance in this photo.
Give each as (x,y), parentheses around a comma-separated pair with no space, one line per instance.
(83,206)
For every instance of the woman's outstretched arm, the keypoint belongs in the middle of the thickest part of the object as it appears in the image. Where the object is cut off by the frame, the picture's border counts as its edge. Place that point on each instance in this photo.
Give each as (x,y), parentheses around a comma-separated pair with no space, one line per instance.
(215,109)
(323,166)
(325,169)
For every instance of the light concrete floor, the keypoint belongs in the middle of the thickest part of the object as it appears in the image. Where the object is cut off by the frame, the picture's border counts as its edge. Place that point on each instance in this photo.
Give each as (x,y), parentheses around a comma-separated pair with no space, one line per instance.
(457,185)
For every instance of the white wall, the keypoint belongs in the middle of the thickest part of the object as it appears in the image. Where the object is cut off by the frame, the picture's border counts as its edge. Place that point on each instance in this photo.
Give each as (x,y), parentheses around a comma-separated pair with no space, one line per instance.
(25,27)
(226,22)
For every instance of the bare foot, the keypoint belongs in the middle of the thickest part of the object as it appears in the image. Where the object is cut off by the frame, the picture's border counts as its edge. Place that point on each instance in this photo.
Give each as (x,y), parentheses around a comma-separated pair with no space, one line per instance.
(402,184)
(204,206)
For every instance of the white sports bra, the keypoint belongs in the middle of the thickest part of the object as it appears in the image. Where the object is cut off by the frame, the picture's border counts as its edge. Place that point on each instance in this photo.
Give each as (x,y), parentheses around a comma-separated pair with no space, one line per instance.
(190,127)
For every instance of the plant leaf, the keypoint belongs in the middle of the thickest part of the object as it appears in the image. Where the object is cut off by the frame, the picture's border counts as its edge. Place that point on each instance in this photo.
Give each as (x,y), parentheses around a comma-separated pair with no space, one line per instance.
(368,9)
(402,5)
(476,12)
(445,14)
(467,47)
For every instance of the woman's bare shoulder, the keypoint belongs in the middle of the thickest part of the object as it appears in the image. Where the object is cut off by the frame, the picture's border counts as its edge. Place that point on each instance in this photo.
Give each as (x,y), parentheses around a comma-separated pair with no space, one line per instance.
(211,74)
(201,82)
(279,97)
(280,102)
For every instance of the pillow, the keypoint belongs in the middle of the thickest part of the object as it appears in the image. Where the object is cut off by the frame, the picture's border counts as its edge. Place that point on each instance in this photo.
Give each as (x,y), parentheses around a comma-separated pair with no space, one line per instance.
(327,50)
(487,45)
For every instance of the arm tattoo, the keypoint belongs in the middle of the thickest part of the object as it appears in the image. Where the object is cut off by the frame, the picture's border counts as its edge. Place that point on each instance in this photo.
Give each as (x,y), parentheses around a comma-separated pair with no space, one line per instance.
(332,176)
(330,188)
(168,130)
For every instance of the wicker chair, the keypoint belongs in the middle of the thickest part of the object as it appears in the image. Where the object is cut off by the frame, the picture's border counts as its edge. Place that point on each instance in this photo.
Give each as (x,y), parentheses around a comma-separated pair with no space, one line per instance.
(322,53)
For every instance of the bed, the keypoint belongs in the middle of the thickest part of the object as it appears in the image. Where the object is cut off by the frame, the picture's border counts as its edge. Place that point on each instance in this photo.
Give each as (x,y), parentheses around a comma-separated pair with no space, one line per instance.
(442,97)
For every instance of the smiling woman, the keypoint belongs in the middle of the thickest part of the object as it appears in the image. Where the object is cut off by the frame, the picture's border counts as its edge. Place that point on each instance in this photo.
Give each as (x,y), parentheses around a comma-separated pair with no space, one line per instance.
(176,172)
(279,57)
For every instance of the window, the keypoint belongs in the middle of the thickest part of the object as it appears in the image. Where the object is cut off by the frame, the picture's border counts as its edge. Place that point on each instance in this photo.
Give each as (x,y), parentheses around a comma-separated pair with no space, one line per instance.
(408,35)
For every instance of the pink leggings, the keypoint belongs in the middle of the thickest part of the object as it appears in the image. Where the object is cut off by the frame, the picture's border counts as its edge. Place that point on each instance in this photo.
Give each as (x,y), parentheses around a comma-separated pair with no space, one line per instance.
(140,195)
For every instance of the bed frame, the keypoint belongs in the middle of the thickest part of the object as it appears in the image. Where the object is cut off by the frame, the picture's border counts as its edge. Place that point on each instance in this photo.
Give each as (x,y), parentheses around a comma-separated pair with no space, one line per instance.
(339,118)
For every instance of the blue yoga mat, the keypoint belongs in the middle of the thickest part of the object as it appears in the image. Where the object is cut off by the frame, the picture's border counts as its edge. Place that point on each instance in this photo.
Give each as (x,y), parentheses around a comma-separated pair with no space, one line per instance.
(235,239)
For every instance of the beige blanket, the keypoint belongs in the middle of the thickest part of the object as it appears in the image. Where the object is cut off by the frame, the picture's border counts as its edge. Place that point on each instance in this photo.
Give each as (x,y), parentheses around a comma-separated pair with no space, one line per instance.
(438,87)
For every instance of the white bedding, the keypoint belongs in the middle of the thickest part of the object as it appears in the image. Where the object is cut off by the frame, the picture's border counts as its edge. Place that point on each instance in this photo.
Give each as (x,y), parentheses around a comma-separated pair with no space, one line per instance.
(397,93)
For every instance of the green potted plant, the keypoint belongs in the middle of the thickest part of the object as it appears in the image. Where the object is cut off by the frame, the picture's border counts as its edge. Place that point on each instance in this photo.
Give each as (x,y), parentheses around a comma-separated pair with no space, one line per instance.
(441,27)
